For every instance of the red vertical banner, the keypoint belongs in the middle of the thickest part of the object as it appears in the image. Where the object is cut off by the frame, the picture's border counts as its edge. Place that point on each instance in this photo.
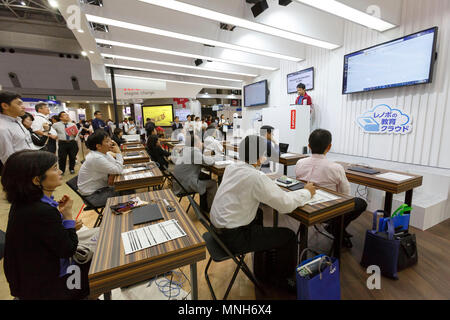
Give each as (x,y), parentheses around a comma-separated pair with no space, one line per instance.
(293,113)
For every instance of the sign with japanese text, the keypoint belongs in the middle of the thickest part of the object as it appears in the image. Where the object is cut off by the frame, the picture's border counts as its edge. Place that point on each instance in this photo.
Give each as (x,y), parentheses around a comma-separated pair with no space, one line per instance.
(293,114)
(384,119)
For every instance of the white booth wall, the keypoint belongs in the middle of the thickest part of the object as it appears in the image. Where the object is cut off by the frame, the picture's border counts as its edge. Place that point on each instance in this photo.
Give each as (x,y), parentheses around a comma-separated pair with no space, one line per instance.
(425,150)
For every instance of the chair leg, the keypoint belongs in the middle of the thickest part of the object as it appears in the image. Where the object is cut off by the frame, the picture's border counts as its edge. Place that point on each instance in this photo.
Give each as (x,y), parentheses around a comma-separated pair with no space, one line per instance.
(207,280)
(250,275)
(188,207)
(231,282)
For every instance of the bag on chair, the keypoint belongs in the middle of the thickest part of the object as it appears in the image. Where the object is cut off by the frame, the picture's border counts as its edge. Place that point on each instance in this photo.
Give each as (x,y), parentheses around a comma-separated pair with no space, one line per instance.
(87,244)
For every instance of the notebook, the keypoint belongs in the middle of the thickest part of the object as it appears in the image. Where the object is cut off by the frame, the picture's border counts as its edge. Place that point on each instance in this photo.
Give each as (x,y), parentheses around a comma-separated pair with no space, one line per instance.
(146,214)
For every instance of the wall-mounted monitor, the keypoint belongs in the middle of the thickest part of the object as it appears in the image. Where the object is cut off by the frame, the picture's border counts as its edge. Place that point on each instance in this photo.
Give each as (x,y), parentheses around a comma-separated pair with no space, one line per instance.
(162,114)
(305,76)
(401,62)
(182,113)
(256,94)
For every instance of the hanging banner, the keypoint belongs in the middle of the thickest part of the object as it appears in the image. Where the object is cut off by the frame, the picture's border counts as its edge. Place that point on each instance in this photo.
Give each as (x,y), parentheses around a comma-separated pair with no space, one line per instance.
(384,119)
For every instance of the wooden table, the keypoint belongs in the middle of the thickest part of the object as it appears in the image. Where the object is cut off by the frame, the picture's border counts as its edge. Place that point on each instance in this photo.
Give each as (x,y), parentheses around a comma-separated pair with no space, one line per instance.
(390,186)
(131,143)
(218,170)
(111,268)
(144,157)
(133,147)
(286,162)
(120,183)
(309,215)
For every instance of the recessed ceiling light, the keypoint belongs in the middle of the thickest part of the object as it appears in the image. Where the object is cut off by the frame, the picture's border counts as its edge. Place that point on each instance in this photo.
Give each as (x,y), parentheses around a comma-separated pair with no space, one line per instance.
(171,72)
(67,101)
(83,53)
(341,10)
(53,3)
(92,52)
(181,36)
(243,23)
(87,101)
(80,30)
(181,54)
(23,3)
(172,64)
(176,81)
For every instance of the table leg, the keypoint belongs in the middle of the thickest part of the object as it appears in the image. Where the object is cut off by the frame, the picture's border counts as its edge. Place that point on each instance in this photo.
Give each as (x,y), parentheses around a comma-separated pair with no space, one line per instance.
(194,287)
(275,218)
(107,295)
(388,204)
(338,233)
(219,179)
(303,240)
(285,170)
(408,198)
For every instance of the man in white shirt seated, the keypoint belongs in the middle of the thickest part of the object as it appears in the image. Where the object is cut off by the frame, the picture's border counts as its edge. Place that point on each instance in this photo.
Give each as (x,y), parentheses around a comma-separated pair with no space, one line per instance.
(104,159)
(236,215)
(211,142)
(328,174)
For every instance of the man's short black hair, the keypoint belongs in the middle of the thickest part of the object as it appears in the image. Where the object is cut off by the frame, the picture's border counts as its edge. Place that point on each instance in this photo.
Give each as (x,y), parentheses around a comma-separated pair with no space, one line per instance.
(97,112)
(19,171)
(319,140)
(7,97)
(117,131)
(301,86)
(252,148)
(39,105)
(27,115)
(96,138)
(267,129)
(59,115)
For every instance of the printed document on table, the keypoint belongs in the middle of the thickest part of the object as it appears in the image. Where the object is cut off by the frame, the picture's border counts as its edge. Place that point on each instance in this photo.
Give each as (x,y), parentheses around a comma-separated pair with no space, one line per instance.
(131,157)
(152,235)
(130,170)
(393,176)
(285,155)
(138,176)
(322,196)
(223,163)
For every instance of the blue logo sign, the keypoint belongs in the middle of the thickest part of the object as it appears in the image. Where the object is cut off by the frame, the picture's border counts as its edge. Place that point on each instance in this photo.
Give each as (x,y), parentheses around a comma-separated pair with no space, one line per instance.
(384,119)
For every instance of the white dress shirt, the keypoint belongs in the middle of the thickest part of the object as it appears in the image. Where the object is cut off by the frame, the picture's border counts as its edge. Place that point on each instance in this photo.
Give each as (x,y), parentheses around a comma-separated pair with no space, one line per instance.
(13,137)
(38,124)
(94,171)
(213,145)
(60,128)
(131,128)
(242,189)
(322,172)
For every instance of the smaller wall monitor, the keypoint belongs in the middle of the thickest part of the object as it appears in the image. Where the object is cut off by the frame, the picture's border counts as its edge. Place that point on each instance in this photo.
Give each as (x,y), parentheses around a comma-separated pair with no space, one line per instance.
(305,76)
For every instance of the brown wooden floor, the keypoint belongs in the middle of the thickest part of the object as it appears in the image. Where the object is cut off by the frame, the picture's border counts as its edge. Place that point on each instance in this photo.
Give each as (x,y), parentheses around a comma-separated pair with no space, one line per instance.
(429,279)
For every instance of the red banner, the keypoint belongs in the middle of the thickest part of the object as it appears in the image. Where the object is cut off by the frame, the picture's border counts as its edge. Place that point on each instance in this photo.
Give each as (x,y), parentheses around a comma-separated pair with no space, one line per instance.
(293,119)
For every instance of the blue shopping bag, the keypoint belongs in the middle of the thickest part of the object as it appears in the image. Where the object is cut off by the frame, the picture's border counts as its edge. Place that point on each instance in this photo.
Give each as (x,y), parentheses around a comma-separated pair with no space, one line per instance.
(400,219)
(321,285)
(381,249)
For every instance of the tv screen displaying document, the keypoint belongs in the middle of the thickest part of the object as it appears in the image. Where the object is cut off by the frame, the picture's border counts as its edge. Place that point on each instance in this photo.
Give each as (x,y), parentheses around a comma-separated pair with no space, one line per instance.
(303,76)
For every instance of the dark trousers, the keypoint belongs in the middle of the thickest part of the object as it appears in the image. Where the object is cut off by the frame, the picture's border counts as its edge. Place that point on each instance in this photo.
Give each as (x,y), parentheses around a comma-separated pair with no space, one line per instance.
(50,146)
(360,207)
(67,148)
(275,248)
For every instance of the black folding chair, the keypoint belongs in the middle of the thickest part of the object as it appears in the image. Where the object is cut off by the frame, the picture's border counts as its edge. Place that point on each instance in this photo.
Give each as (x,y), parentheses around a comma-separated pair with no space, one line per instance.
(73,184)
(219,252)
(184,193)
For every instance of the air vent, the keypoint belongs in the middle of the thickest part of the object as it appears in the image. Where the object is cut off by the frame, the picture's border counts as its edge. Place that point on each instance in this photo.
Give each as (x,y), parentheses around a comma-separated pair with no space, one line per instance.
(99,27)
(227,27)
(14,80)
(98,3)
(101,45)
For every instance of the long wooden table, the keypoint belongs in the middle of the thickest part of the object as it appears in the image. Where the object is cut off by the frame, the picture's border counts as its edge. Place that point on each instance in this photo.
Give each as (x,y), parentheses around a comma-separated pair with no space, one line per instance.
(111,268)
(310,215)
(121,183)
(389,186)
(144,157)
(133,147)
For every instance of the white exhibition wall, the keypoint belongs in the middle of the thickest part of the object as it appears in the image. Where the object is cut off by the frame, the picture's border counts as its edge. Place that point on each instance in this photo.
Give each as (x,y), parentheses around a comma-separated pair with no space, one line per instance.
(428,104)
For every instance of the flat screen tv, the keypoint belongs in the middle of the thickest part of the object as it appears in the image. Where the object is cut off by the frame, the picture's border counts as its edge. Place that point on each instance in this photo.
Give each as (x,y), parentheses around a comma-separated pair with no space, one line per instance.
(161,114)
(256,94)
(401,62)
(303,76)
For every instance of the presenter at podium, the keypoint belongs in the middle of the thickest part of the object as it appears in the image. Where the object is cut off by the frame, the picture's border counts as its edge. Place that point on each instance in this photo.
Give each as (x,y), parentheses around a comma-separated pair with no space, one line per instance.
(303,97)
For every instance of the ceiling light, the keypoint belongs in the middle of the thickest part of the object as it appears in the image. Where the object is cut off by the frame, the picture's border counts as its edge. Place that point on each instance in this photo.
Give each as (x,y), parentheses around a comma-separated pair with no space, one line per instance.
(176,81)
(67,101)
(341,10)
(53,3)
(83,53)
(170,64)
(243,23)
(92,52)
(87,101)
(170,72)
(181,54)
(180,36)
(23,3)
(80,30)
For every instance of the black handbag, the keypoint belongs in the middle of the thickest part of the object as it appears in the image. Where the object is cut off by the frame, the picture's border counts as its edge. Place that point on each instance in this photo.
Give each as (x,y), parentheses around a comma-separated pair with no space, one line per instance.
(407,255)
(38,140)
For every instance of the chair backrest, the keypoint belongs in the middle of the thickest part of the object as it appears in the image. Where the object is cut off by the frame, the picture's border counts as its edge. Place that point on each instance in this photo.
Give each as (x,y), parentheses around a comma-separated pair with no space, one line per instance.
(73,184)
(211,229)
(172,177)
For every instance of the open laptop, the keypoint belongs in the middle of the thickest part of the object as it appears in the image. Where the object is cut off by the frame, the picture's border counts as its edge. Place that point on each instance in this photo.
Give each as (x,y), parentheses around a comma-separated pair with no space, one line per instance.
(283,147)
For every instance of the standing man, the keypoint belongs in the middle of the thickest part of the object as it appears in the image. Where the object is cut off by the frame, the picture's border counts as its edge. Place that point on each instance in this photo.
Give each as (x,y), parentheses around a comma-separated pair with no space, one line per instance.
(273,150)
(42,125)
(223,124)
(125,126)
(67,146)
(97,122)
(131,126)
(176,124)
(303,97)
(13,135)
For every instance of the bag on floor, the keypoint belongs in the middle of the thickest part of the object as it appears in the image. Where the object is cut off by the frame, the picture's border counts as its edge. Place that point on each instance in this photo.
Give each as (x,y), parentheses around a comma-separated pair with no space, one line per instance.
(401,220)
(87,244)
(318,278)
